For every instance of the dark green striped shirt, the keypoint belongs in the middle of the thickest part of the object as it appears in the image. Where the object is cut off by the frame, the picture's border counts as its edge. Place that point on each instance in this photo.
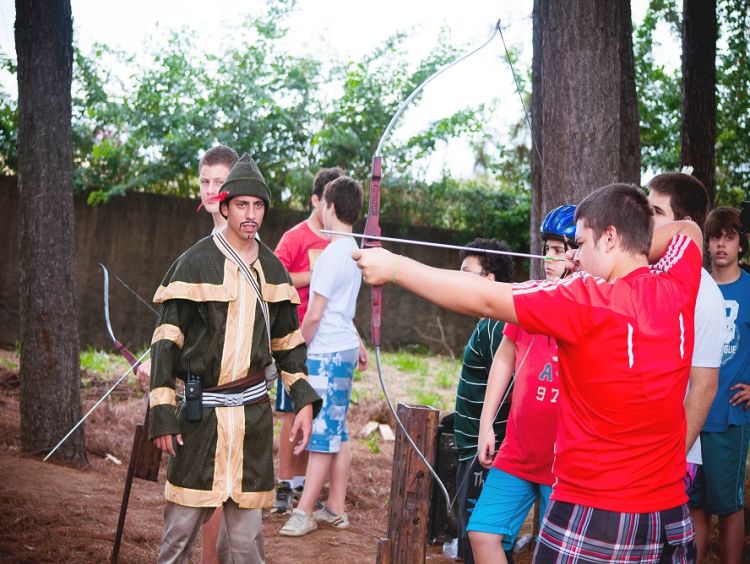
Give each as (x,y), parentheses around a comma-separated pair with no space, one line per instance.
(478,355)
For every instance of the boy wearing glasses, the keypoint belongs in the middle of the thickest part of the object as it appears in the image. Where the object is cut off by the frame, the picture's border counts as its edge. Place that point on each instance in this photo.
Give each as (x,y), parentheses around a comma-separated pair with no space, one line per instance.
(472,385)
(522,468)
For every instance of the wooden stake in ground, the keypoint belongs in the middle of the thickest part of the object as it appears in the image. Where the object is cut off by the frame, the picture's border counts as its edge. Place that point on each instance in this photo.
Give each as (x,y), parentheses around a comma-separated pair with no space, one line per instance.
(410,488)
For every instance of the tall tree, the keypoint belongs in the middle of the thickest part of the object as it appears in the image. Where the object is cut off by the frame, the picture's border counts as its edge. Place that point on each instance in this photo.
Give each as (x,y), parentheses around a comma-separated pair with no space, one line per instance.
(630,143)
(537,160)
(698,108)
(49,374)
(584,100)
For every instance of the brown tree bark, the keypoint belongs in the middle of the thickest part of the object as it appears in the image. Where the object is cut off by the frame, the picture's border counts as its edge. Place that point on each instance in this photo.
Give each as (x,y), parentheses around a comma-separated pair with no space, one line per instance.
(536,271)
(49,373)
(630,134)
(698,108)
(587,125)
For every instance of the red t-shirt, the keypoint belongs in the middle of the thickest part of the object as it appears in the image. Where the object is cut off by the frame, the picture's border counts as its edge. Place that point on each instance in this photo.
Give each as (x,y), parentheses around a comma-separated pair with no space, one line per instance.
(625,349)
(298,250)
(528,448)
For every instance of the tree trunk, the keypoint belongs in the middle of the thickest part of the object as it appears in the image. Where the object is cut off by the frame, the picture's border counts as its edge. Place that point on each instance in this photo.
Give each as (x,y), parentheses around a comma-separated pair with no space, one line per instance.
(630,134)
(698,129)
(588,131)
(537,160)
(49,374)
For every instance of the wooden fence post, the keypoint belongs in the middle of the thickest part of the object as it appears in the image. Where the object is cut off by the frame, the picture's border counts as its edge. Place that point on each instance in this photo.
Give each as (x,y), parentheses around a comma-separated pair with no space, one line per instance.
(410,488)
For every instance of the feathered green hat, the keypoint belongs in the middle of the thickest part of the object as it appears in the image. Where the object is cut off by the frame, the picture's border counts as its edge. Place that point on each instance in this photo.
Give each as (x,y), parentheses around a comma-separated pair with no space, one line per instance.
(245,179)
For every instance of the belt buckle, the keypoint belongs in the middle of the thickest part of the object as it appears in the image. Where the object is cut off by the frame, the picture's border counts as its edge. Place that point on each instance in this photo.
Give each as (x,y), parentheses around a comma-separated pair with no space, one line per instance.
(234,400)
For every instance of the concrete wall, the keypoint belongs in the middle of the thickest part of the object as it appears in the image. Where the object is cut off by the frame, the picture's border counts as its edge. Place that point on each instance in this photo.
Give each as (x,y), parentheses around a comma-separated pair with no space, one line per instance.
(137,237)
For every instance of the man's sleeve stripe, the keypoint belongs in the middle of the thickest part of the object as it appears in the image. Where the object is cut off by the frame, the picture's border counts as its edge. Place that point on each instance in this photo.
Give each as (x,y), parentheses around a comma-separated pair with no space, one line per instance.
(169,332)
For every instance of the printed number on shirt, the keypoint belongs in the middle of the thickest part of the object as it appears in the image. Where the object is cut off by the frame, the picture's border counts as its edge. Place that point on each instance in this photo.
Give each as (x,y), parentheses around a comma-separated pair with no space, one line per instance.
(542,393)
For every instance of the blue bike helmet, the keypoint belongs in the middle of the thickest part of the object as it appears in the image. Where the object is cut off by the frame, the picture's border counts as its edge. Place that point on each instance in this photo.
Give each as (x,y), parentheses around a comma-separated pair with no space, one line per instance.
(560,224)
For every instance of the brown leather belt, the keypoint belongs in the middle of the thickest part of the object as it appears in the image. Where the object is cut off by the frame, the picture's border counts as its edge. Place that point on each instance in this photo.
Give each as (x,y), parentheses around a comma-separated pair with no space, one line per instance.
(239,385)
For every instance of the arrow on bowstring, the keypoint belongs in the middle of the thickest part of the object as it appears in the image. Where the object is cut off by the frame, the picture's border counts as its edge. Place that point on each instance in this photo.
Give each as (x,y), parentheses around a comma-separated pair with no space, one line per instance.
(441,245)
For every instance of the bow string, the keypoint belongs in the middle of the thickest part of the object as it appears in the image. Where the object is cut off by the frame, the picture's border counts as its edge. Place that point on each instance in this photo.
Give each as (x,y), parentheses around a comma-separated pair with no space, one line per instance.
(372,229)
(122,349)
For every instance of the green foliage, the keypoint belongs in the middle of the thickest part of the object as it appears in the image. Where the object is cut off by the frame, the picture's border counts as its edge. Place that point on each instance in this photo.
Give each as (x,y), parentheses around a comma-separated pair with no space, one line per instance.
(148,137)
(360,395)
(371,443)
(658,92)
(467,208)
(446,379)
(406,362)
(97,361)
(373,89)
(659,97)
(9,363)
(144,132)
(425,397)
(8,121)
(733,112)
(277,429)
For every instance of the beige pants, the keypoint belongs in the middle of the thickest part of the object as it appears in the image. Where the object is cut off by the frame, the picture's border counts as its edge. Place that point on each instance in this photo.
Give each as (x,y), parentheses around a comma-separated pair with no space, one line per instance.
(240,536)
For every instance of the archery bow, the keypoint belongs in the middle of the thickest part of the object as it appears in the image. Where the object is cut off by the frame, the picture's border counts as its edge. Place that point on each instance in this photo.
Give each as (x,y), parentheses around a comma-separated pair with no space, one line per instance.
(372,238)
(134,364)
(145,458)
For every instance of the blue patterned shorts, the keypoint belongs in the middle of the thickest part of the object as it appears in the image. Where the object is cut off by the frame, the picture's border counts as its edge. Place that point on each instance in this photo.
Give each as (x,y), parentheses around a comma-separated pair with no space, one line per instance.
(331,377)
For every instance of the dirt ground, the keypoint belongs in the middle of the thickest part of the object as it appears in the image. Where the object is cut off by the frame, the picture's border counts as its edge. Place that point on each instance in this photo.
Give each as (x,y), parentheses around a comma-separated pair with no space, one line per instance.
(54,513)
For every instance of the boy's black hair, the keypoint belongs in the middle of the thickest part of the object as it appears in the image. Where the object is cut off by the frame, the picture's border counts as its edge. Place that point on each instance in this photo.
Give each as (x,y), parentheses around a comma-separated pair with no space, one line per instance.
(624,207)
(499,265)
(688,196)
(220,154)
(347,196)
(323,177)
(726,220)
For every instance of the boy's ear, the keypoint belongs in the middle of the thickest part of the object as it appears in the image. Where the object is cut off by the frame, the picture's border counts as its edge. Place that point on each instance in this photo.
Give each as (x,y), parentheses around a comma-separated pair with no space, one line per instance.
(314,200)
(611,237)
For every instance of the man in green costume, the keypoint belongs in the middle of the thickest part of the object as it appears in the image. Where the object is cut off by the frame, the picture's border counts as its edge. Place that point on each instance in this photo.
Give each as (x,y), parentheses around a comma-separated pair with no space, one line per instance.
(228,325)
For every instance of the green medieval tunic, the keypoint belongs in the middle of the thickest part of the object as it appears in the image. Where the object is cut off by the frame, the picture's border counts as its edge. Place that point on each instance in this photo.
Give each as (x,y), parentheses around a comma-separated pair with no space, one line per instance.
(210,315)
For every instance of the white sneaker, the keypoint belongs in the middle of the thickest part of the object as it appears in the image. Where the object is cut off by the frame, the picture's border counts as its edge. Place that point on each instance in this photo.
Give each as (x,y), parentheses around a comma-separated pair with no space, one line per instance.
(325,515)
(300,523)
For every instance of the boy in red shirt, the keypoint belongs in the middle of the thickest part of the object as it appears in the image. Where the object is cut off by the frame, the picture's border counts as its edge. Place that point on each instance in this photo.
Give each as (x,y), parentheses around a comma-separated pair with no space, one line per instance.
(522,469)
(298,249)
(625,338)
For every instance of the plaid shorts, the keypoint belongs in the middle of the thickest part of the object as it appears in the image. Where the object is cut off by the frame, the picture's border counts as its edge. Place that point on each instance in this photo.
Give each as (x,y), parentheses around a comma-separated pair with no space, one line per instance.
(574,533)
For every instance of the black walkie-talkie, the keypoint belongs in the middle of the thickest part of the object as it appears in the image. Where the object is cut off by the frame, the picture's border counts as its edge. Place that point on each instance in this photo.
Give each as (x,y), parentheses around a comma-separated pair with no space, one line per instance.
(193,396)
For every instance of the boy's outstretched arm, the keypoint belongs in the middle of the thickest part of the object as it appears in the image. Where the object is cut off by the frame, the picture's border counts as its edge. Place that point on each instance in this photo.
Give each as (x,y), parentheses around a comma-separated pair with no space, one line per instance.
(664,233)
(458,291)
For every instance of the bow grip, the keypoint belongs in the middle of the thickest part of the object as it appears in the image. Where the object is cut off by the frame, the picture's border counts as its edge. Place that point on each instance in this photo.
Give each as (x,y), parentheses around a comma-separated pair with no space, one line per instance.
(123,350)
(372,227)
(375,315)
